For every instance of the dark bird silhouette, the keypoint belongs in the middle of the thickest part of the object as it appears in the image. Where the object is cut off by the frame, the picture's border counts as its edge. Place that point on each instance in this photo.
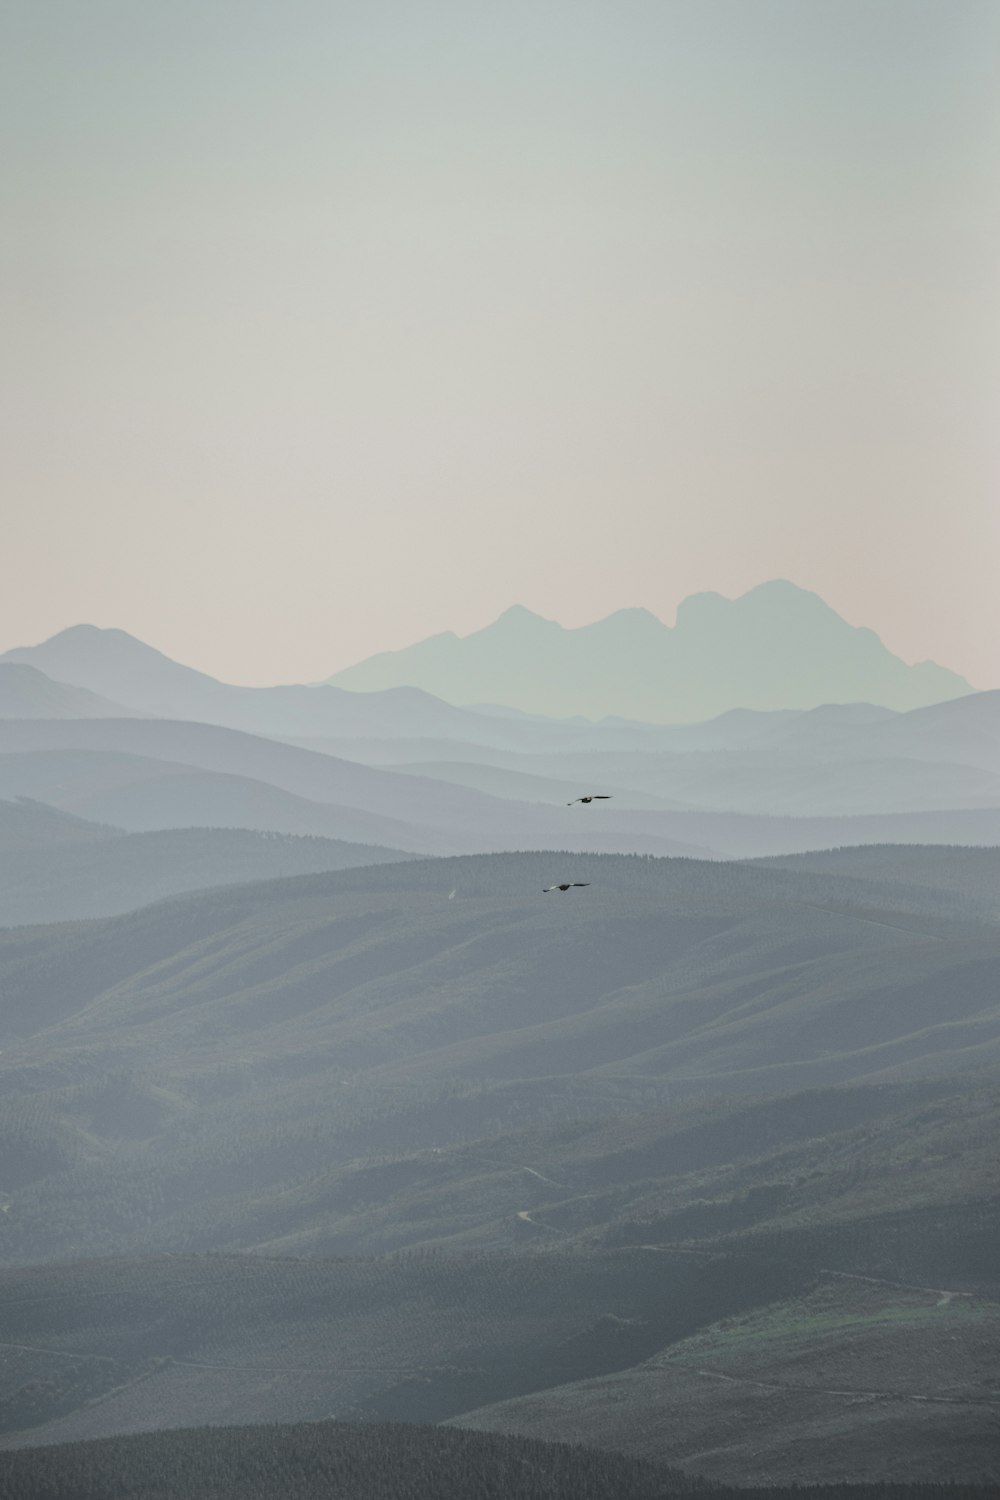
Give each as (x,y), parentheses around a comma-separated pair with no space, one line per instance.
(597,797)
(570,884)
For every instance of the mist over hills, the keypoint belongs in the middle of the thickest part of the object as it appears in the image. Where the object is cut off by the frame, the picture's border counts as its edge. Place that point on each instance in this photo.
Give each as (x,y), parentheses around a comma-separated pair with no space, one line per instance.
(879,784)
(407,771)
(144,773)
(776,647)
(696,1163)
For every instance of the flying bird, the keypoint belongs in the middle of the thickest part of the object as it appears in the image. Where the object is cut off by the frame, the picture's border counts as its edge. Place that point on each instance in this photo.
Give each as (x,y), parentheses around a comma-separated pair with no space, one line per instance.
(597,797)
(570,885)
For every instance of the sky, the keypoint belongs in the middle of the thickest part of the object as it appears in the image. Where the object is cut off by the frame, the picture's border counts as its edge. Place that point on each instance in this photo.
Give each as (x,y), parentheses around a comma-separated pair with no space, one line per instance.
(328,326)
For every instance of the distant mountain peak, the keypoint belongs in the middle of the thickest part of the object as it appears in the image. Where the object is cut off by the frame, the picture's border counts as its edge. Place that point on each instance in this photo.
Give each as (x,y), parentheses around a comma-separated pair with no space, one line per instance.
(778,594)
(776,646)
(519,614)
(98,641)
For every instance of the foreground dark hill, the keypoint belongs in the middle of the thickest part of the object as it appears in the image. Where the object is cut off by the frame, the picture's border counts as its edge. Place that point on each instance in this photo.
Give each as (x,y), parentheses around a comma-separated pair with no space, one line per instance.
(384,1462)
(115,1346)
(58,868)
(342,1462)
(169,1341)
(849,1357)
(734,1367)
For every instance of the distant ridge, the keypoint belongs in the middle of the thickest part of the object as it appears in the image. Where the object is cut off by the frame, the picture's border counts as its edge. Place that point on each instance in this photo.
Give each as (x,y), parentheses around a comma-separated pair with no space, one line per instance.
(776,647)
(27,693)
(85,660)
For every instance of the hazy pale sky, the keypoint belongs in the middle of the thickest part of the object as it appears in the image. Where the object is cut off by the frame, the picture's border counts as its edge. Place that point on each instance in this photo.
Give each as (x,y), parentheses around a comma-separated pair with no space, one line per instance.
(328,326)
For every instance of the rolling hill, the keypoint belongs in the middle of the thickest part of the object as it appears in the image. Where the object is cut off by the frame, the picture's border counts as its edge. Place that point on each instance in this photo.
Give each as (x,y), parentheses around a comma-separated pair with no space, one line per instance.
(58,868)
(850,1356)
(697,1163)
(148,774)
(344,1461)
(140,794)
(226,1057)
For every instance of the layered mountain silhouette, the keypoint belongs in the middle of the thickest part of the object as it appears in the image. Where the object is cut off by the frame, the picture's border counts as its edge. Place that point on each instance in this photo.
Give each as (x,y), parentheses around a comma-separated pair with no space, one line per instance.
(27,693)
(113,665)
(91,722)
(712,1138)
(776,647)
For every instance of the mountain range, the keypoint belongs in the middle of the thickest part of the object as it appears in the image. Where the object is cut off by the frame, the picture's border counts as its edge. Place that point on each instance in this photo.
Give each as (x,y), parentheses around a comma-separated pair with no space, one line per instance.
(693,1163)
(402,769)
(776,647)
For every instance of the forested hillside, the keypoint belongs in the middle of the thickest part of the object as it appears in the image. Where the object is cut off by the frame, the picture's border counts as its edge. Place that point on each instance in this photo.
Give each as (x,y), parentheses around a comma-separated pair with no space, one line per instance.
(215,1072)
(387,1462)
(688,1161)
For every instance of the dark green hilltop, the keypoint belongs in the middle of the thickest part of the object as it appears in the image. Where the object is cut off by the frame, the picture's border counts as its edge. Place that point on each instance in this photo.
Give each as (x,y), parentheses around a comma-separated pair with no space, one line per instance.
(390,1462)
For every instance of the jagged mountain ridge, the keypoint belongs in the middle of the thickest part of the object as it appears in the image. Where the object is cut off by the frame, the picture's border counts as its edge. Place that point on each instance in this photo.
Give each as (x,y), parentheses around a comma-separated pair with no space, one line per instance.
(775,647)
(778,647)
